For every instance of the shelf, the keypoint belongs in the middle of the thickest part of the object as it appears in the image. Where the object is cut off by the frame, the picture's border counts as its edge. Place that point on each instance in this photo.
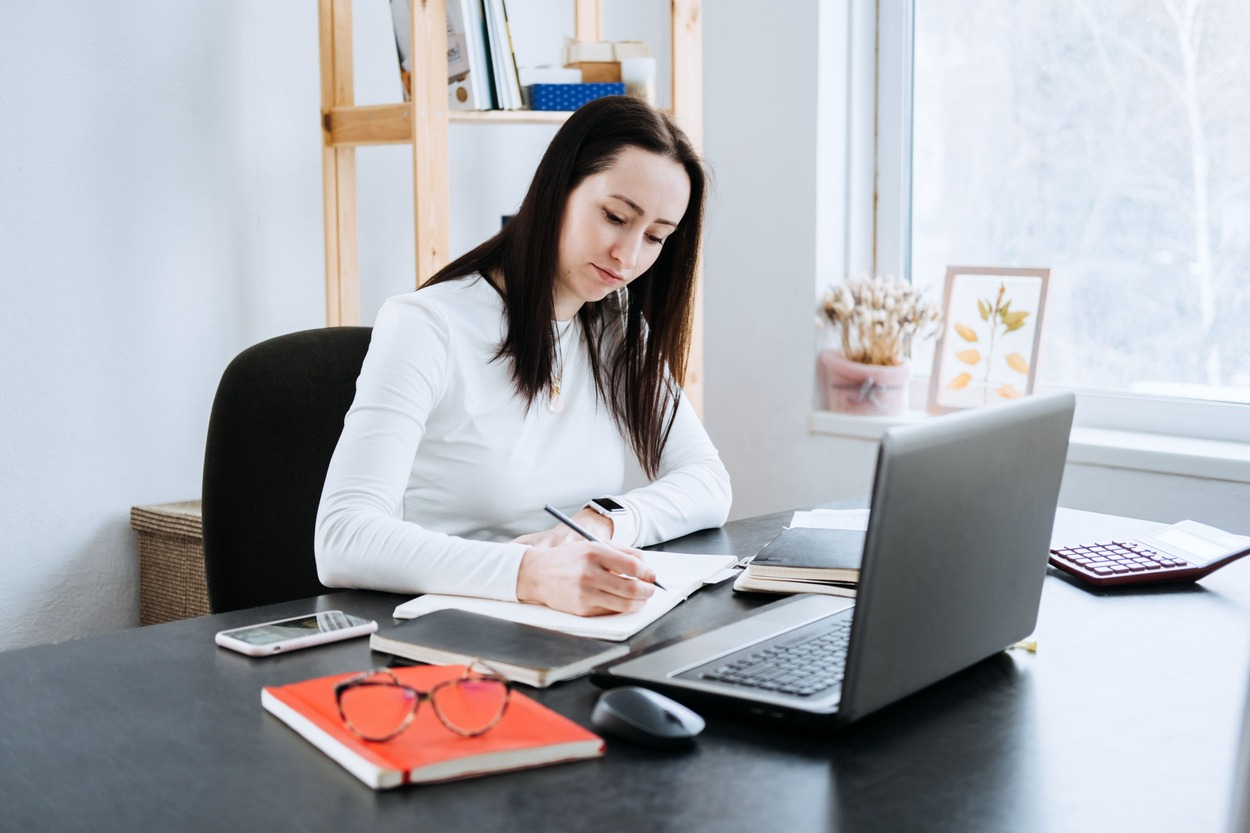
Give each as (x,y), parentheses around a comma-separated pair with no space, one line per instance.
(508,116)
(391,124)
(423,124)
(371,124)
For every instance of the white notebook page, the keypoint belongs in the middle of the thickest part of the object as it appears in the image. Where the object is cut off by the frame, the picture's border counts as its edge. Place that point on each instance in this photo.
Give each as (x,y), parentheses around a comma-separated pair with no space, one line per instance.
(680,573)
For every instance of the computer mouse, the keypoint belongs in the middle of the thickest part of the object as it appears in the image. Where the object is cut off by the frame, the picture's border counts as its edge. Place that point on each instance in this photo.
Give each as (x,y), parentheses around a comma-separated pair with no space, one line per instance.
(645,716)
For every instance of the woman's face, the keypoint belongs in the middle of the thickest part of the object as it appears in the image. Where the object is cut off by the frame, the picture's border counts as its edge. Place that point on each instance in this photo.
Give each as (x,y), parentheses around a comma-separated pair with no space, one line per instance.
(615,223)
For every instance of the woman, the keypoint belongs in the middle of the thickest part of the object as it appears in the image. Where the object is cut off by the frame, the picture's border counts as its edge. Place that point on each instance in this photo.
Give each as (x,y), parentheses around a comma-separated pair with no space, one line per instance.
(521,374)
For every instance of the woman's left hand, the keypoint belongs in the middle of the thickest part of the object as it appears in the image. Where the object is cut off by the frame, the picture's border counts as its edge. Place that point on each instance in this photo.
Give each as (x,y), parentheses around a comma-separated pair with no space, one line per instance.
(558,535)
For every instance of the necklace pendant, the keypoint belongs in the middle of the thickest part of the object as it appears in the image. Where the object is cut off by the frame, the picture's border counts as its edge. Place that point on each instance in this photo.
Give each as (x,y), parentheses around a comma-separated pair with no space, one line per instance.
(554,403)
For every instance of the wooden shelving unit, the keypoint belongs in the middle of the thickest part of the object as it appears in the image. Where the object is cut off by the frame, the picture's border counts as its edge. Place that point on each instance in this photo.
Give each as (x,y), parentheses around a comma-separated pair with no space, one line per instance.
(423,124)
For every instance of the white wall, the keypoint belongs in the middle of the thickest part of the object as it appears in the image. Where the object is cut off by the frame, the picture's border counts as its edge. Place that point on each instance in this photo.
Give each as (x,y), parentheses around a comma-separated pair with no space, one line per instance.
(1159,497)
(774,230)
(160,210)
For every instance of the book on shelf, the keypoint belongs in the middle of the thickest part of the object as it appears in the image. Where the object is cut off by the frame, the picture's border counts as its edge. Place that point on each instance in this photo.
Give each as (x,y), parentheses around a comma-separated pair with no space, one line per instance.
(468,59)
(529,734)
(503,60)
(681,573)
(401,18)
(522,653)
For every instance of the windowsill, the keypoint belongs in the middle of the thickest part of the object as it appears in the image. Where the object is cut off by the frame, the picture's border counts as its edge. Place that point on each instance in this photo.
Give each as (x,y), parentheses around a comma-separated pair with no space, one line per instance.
(1157,453)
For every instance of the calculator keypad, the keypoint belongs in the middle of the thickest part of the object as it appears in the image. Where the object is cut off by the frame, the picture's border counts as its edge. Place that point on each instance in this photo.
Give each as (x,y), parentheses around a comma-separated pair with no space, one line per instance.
(1123,561)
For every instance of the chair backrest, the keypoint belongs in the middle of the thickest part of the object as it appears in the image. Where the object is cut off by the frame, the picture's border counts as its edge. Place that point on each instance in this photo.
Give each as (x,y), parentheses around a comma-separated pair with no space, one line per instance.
(275,422)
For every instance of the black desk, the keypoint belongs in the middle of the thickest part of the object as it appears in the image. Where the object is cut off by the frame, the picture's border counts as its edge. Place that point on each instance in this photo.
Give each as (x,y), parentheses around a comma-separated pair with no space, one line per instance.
(1126,719)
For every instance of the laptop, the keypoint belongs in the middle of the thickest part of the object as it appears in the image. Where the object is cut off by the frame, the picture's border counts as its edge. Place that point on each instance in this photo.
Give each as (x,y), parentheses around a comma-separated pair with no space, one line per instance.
(954,558)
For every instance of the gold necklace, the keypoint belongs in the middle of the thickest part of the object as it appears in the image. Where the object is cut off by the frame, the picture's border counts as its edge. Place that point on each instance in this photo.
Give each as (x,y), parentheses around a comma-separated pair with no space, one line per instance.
(554,403)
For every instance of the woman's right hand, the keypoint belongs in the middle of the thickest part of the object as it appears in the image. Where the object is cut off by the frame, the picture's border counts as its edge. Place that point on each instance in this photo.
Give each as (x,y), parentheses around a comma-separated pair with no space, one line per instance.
(585,578)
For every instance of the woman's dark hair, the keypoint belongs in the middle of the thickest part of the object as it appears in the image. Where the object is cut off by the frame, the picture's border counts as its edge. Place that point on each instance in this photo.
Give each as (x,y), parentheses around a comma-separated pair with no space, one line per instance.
(640,378)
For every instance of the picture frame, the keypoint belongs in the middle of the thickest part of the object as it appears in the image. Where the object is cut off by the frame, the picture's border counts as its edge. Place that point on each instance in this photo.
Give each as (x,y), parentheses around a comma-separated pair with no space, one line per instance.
(991,332)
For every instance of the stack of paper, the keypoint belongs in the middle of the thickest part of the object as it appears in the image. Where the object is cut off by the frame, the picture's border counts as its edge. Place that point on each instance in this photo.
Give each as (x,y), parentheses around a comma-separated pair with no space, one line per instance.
(819,553)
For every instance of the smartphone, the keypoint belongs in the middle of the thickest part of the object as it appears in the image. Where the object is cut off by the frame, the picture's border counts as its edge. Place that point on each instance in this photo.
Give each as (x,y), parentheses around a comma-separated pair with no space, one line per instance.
(295,633)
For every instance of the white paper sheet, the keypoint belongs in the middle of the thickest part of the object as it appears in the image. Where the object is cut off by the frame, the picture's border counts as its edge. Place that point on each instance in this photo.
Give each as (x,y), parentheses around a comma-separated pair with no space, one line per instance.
(831,519)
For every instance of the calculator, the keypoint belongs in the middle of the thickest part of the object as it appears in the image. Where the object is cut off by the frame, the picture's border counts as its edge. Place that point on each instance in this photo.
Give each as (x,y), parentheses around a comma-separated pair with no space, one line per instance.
(1184,551)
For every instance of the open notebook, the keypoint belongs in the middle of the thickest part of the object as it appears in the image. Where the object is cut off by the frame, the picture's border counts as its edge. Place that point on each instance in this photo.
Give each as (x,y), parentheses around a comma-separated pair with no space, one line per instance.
(681,573)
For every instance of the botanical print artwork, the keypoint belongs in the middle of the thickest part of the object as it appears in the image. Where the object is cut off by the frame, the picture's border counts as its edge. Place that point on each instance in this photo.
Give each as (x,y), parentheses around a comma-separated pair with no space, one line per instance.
(999,319)
(989,343)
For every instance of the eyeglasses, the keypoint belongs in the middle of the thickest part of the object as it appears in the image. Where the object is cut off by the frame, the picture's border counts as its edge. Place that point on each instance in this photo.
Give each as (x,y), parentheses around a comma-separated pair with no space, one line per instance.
(376,706)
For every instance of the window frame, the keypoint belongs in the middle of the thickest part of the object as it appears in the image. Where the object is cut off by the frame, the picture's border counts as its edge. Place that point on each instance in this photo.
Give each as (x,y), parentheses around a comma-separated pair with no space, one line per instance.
(879,125)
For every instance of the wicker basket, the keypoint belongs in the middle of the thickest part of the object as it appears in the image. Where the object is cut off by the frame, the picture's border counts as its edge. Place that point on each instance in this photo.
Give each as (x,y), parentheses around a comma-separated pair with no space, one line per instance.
(171,562)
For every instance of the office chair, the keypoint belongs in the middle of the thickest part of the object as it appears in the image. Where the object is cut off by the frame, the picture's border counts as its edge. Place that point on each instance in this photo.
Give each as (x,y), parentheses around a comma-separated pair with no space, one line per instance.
(275,421)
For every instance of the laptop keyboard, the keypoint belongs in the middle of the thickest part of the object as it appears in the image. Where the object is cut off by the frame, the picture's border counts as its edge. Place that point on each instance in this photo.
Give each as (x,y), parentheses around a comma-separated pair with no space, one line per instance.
(805,667)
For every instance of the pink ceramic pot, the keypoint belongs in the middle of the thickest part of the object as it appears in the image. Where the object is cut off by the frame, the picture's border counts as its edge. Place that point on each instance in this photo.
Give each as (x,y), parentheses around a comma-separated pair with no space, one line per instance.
(867,389)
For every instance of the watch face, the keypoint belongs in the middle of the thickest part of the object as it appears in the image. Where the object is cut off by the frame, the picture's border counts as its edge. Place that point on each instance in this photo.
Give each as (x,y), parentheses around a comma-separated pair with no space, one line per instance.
(607,504)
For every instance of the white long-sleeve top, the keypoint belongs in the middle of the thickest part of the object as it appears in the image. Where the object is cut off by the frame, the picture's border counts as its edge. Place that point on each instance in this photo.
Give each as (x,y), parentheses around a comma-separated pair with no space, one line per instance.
(440,464)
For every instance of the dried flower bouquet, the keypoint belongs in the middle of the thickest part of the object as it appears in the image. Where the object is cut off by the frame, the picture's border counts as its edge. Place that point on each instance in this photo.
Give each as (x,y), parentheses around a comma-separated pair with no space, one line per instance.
(879,317)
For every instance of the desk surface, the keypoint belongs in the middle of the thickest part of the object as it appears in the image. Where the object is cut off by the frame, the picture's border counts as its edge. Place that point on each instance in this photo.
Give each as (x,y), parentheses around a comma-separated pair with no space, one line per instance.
(1125,719)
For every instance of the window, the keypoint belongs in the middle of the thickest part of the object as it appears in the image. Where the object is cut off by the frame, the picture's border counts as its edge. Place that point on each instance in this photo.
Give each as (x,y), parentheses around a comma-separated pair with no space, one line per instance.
(1105,139)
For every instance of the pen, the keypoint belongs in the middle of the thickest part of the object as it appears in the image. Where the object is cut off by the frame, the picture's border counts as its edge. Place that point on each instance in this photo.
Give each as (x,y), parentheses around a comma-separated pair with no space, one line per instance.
(571,524)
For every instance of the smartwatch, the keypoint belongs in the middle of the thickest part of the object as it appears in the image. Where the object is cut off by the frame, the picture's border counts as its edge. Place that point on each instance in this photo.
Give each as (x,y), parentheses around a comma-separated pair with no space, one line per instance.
(606,506)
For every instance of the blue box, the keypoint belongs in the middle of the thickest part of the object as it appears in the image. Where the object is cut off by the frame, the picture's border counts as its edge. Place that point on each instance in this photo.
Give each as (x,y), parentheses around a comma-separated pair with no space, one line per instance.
(569,96)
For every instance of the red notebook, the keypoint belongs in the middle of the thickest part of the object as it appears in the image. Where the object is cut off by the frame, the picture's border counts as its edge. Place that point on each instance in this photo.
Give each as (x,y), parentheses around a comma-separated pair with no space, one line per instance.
(529,734)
